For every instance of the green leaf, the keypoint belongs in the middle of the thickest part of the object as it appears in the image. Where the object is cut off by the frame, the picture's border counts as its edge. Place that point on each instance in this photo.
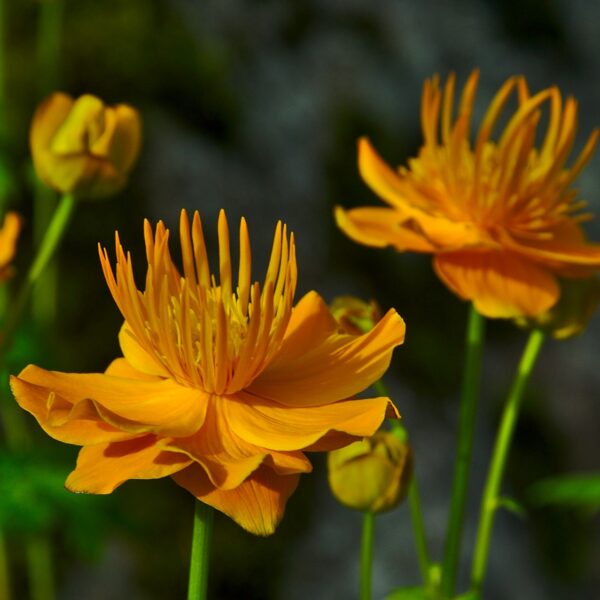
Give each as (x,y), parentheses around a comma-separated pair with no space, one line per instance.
(567,490)
(409,593)
(512,506)
(33,500)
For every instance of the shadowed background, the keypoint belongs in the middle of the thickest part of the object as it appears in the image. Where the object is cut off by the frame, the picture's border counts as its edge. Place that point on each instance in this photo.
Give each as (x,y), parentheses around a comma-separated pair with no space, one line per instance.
(256,107)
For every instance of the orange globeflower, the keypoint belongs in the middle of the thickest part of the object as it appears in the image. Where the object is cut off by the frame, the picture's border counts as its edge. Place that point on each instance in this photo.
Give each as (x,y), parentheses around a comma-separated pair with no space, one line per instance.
(222,387)
(499,215)
(9,232)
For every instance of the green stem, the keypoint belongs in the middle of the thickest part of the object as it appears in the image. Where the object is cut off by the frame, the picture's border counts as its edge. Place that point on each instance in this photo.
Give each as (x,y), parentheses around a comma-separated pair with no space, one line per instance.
(199,560)
(466,427)
(366,556)
(5,587)
(49,38)
(506,429)
(414,500)
(53,236)
(39,565)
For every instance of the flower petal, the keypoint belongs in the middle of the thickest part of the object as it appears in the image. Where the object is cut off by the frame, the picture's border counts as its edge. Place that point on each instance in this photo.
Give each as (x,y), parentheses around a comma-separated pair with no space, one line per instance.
(500,284)
(383,180)
(270,425)
(380,227)
(133,405)
(103,467)
(227,459)
(120,367)
(135,354)
(58,418)
(257,505)
(567,244)
(337,368)
(310,324)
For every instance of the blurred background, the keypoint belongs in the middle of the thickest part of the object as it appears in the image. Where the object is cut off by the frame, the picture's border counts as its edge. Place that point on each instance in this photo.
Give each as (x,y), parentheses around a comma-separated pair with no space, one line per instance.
(256,107)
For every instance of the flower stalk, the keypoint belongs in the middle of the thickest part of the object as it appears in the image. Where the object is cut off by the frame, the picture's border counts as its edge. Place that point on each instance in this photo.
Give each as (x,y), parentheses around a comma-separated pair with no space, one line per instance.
(414,501)
(200,557)
(504,437)
(468,411)
(366,555)
(53,236)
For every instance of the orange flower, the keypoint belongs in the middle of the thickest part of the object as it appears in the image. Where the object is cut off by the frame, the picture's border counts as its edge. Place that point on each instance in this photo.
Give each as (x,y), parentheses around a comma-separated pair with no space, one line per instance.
(82,146)
(500,215)
(221,387)
(9,232)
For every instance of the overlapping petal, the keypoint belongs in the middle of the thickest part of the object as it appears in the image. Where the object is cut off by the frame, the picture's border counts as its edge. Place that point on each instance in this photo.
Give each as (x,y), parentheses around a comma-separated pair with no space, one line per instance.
(339,367)
(103,467)
(272,425)
(500,284)
(257,505)
(137,406)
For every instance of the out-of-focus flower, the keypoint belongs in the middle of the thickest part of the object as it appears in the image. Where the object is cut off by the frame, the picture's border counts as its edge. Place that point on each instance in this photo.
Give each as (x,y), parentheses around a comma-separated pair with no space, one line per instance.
(9,232)
(372,474)
(84,147)
(499,215)
(222,386)
(355,316)
(579,299)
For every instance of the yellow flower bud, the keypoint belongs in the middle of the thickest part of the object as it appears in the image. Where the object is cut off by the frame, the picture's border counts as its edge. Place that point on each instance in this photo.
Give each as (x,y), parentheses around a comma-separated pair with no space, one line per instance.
(372,474)
(578,301)
(9,232)
(355,316)
(83,147)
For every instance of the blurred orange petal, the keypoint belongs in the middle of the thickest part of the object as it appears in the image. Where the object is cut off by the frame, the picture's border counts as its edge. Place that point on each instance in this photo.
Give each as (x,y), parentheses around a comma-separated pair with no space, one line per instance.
(500,284)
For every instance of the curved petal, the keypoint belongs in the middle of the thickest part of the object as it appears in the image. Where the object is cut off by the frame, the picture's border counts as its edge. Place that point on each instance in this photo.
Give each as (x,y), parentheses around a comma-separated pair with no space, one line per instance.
(257,505)
(120,367)
(380,227)
(103,467)
(133,405)
(270,425)
(338,368)
(59,419)
(383,180)
(310,324)
(227,459)
(127,137)
(135,354)
(566,246)
(46,121)
(500,284)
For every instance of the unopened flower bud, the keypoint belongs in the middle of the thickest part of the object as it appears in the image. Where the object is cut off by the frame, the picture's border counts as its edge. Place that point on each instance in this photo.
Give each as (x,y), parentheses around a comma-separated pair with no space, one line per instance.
(578,301)
(84,147)
(9,232)
(372,474)
(355,316)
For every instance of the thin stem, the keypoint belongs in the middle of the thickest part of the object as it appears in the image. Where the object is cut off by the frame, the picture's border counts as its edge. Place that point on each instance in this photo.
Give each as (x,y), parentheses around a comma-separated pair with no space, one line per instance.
(5,587)
(366,555)
(504,437)
(462,464)
(414,501)
(54,233)
(49,39)
(39,565)
(199,560)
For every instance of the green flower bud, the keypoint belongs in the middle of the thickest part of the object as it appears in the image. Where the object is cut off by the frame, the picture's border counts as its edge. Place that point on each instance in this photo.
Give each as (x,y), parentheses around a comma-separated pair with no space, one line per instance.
(372,474)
